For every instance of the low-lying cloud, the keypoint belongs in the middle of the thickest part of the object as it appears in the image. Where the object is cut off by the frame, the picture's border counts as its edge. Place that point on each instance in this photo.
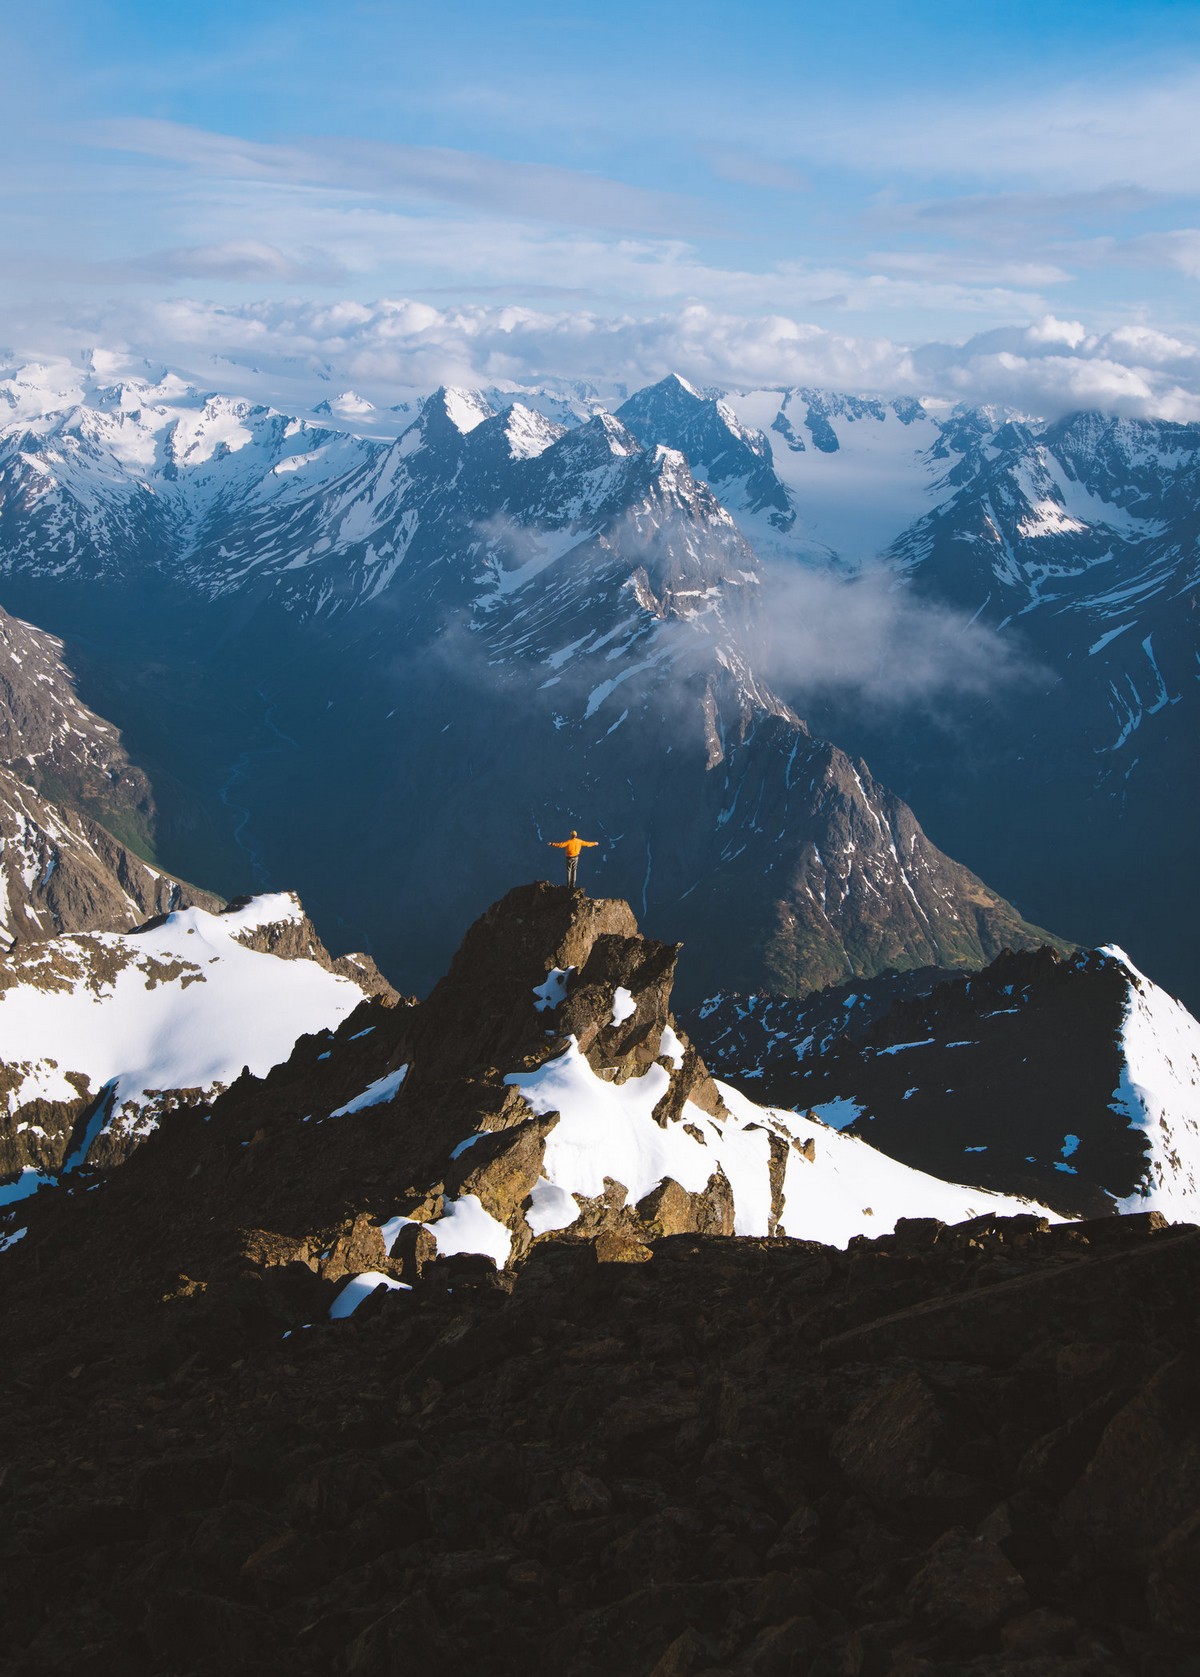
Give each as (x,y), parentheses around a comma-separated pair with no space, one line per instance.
(871,640)
(867,642)
(1043,369)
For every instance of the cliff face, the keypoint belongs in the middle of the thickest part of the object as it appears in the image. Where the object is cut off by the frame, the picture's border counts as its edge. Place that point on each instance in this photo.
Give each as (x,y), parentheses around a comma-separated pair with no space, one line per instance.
(71,806)
(50,739)
(61,871)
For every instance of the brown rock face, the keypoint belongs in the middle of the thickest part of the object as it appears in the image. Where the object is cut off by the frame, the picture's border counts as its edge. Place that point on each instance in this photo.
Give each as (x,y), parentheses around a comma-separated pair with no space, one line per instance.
(64,872)
(893,1442)
(358,1248)
(502,1168)
(1171,1587)
(482,1014)
(670,1209)
(542,965)
(967,1584)
(1144,1478)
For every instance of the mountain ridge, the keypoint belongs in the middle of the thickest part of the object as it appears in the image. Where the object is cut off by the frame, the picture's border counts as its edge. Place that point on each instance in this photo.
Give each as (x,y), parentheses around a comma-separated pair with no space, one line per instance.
(603,603)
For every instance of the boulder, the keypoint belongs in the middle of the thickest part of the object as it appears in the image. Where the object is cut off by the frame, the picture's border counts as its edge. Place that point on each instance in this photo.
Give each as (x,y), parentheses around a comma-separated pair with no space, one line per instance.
(967,1584)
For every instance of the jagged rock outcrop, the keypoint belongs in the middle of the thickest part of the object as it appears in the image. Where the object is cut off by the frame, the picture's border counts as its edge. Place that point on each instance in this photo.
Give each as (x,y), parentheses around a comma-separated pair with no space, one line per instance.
(489,1015)
(541,1092)
(546,978)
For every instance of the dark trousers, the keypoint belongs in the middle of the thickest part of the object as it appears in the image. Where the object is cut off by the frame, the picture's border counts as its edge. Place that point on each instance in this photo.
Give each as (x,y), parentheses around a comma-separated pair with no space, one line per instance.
(572,870)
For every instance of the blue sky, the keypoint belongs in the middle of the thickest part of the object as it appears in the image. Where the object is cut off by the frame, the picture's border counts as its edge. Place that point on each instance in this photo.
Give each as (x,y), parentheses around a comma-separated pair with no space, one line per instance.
(844,183)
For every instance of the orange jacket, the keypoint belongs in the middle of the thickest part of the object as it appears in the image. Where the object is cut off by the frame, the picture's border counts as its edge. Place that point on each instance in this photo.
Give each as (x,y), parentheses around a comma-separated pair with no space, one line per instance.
(573,846)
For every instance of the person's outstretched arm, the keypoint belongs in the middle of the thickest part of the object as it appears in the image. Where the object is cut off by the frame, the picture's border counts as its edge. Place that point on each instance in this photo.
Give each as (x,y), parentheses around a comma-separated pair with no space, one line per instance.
(591,843)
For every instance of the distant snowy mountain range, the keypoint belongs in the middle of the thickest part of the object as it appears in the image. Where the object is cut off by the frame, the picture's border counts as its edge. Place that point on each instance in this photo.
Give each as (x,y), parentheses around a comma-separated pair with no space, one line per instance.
(446,628)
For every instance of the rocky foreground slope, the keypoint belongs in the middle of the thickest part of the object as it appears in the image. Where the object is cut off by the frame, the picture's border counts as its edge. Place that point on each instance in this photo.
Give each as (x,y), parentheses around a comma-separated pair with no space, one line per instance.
(952,1452)
(269,1404)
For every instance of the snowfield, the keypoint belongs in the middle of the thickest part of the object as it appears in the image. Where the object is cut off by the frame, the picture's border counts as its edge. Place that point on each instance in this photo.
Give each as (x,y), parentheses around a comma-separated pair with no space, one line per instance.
(180,1006)
(607,1130)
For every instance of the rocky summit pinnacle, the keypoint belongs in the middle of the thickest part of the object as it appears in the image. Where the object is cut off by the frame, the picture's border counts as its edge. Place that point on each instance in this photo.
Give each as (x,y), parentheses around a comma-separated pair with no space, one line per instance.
(543,1092)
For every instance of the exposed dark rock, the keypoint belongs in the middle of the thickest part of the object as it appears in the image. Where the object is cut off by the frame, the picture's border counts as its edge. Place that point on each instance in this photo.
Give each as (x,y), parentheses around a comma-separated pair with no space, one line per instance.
(502,1168)
(670,1209)
(662,1466)
(359,1248)
(967,1584)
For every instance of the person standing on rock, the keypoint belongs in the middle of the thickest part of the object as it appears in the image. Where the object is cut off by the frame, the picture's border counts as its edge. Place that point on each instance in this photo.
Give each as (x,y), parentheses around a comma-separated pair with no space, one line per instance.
(573,846)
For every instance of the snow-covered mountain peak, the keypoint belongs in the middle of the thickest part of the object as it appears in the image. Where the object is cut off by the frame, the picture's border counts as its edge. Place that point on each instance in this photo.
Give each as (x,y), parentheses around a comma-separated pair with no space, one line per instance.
(618,439)
(39,387)
(465,409)
(529,433)
(678,380)
(219,428)
(731,456)
(349,405)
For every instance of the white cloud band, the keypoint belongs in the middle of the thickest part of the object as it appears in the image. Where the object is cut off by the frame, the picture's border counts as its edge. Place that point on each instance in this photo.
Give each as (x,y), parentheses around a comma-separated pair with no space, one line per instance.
(1045,369)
